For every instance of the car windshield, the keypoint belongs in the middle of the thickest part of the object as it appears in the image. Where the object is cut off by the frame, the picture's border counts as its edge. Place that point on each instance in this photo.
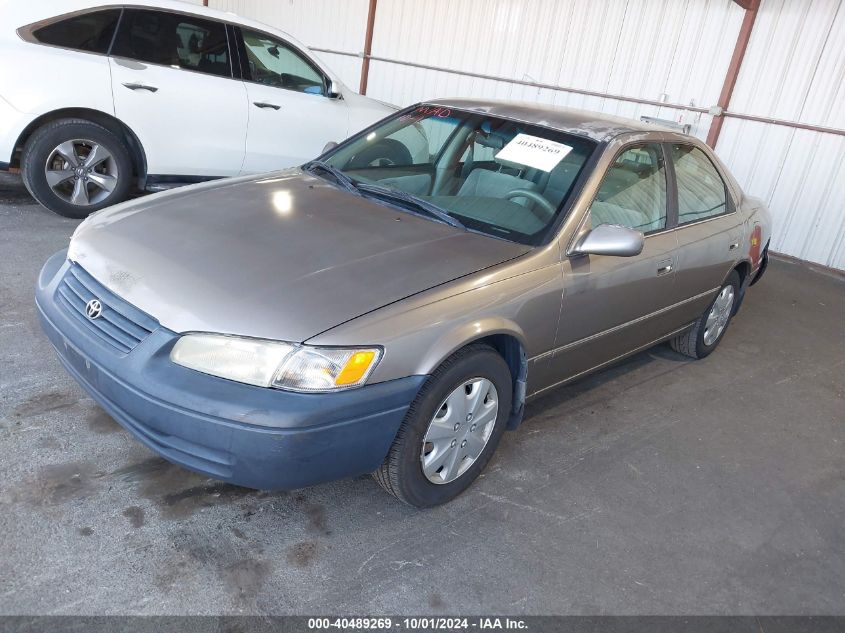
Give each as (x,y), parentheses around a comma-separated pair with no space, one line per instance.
(497,176)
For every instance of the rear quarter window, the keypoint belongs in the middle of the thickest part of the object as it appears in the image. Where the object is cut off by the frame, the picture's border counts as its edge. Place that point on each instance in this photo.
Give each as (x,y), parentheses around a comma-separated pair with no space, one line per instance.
(89,32)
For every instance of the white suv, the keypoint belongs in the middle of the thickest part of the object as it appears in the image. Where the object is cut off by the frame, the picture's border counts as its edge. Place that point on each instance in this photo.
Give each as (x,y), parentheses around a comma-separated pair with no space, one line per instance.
(97,99)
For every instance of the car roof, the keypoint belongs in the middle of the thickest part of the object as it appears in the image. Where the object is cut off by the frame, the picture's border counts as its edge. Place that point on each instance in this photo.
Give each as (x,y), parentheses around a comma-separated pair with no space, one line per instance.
(597,126)
(23,13)
(59,7)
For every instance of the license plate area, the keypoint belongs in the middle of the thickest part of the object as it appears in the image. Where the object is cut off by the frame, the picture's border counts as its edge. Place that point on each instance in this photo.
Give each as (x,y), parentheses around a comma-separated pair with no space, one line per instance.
(80,363)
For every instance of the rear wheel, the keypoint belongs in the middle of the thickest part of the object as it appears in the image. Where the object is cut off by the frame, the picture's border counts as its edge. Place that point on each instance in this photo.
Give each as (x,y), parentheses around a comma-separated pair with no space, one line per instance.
(705,335)
(75,167)
(451,430)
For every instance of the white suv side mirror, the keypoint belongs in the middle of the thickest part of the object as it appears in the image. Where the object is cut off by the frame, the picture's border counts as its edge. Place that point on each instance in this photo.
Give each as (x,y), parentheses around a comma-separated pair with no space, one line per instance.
(333,90)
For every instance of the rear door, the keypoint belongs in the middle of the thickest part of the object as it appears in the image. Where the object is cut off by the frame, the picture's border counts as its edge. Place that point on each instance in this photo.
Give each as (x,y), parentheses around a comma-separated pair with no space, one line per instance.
(710,229)
(613,305)
(61,62)
(291,115)
(173,85)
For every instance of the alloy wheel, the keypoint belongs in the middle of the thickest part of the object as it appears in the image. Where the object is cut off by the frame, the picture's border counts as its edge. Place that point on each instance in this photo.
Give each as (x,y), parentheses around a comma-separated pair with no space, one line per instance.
(719,315)
(81,172)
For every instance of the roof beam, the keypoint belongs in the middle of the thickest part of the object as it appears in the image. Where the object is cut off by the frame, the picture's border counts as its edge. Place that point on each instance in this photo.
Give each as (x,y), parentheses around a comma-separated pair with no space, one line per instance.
(733,72)
(368,46)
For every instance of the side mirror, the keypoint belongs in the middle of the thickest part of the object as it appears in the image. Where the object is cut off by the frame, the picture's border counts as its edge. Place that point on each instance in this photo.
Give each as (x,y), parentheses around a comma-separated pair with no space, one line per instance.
(328,146)
(612,240)
(333,89)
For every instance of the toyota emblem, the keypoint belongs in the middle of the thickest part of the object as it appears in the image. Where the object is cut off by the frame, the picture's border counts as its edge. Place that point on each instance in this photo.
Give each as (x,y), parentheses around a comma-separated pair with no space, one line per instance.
(93,309)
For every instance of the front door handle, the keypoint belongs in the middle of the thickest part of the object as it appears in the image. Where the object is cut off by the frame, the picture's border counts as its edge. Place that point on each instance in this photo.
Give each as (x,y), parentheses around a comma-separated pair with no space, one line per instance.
(141,87)
(664,267)
(263,104)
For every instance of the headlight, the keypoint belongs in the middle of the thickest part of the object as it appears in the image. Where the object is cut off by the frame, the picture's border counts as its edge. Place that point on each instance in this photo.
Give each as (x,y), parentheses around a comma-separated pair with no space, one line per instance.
(274,364)
(245,360)
(326,368)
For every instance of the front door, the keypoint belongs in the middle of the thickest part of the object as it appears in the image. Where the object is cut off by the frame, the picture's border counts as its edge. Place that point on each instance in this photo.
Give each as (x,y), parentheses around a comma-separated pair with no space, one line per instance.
(291,116)
(613,305)
(172,85)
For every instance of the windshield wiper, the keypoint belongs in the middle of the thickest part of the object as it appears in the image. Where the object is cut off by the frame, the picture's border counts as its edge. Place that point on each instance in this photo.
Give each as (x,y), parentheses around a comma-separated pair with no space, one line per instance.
(342,179)
(417,203)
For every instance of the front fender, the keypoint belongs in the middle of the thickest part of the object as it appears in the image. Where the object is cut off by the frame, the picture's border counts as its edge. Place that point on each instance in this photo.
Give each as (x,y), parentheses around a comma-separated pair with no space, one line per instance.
(419,333)
(463,334)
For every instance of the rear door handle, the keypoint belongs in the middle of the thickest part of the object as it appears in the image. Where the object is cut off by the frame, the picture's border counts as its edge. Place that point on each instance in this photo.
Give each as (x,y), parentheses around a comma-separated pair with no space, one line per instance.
(733,246)
(141,87)
(263,104)
(665,267)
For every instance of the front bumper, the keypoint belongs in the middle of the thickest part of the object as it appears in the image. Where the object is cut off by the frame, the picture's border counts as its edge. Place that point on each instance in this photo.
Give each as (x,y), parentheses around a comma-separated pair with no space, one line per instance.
(249,436)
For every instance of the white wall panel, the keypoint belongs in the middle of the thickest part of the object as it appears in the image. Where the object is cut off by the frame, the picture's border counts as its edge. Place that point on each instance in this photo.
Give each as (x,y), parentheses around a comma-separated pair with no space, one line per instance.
(801,174)
(672,50)
(795,63)
(794,69)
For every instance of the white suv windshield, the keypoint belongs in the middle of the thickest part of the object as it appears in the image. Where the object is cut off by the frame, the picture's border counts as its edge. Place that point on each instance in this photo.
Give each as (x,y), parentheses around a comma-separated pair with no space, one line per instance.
(501,177)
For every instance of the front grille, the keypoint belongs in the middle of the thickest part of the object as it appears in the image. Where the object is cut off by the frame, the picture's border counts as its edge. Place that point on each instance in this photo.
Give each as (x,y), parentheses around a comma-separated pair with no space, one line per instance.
(121,326)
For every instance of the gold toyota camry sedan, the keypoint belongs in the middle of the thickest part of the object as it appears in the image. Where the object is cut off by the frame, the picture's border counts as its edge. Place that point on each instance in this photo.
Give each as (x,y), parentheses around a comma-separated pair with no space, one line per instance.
(389,307)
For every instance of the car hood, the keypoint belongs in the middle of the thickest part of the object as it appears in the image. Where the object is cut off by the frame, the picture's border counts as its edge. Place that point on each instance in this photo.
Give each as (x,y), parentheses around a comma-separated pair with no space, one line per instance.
(284,256)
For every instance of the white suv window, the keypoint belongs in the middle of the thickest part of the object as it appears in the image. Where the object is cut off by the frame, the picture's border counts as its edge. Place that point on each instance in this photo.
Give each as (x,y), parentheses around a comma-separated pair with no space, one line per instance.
(274,63)
(171,39)
(89,32)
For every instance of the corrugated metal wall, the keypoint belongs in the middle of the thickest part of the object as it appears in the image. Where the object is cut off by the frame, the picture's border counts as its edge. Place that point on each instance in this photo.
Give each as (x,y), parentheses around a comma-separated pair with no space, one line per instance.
(642,48)
(794,69)
(670,51)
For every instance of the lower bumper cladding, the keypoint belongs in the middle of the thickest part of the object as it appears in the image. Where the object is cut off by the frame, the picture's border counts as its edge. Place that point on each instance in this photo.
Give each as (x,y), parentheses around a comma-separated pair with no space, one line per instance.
(250,436)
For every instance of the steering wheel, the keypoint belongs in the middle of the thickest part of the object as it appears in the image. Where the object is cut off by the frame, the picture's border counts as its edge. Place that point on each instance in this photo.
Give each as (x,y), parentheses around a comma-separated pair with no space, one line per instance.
(534,197)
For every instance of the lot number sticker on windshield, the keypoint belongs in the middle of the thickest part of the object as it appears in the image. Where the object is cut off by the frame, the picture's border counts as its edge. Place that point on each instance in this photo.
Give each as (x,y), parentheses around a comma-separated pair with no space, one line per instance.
(534,151)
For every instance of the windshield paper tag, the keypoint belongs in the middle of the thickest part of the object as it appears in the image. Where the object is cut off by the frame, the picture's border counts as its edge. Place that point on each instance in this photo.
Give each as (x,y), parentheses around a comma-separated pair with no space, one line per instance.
(534,151)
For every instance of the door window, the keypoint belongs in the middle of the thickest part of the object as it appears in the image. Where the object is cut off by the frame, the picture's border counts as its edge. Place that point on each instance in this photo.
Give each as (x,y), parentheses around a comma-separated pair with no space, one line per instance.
(170,39)
(274,63)
(633,192)
(91,32)
(701,191)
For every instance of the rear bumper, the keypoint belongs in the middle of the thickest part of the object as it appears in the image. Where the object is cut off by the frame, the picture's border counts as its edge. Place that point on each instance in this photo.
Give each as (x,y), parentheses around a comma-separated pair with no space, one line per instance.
(761,269)
(245,435)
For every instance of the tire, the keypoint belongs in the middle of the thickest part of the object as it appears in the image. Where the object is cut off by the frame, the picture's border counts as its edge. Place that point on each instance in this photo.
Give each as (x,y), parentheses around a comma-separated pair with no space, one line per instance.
(697,342)
(109,179)
(385,153)
(402,473)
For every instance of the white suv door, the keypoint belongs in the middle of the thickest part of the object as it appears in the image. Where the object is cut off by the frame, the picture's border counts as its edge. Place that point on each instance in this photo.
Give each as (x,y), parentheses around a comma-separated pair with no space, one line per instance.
(291,115)
(173,85)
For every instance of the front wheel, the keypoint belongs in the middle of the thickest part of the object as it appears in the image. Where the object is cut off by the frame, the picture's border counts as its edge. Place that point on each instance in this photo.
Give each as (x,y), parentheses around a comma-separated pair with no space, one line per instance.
(75,167)
(705,335)
(451,429)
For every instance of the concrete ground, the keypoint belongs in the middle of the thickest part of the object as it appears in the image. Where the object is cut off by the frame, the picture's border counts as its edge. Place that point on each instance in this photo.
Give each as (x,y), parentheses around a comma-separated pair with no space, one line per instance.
(662,486)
